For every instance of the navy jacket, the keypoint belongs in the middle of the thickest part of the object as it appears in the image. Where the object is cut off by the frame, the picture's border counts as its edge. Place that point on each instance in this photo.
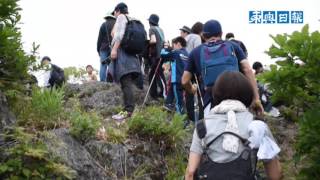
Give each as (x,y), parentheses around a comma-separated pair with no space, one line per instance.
(179,59)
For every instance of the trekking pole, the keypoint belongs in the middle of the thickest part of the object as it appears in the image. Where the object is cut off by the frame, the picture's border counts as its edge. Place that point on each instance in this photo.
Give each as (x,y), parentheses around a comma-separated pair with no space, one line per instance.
(201,108)
(154,75)
(198,88)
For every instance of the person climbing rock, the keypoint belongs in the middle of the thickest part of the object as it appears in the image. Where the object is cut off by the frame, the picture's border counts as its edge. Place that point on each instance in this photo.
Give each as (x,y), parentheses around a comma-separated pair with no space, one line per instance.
(230,139)
(156,42)
(55,76)
(216,49)
(104,45)
(127,65)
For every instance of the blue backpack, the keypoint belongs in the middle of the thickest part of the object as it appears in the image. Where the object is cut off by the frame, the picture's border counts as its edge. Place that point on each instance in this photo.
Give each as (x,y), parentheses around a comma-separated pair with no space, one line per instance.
(215,60)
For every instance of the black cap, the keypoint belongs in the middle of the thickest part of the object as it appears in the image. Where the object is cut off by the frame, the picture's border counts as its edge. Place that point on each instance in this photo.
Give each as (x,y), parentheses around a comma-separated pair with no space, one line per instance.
(154,19)
(229,35)
(185,29)
(45,58)
(122,7)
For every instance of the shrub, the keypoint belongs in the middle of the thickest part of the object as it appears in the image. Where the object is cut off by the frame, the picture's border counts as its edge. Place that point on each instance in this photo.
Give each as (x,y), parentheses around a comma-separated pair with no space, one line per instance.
(116,135)
(177,164)
(84,125)
(14,63)
(308,146)
(27,158)
(295,80)
(298,85)
(73,71)
(153,123)
(44,110)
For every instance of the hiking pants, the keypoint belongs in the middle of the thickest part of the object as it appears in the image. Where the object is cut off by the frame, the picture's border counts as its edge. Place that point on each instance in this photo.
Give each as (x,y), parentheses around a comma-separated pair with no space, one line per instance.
(159,81)
(127,82)
(190,103)
(103,67)
(190,106)
(176,93)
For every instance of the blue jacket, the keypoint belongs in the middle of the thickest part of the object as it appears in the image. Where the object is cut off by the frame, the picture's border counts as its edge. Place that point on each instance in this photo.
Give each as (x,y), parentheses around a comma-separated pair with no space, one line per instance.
(179,59)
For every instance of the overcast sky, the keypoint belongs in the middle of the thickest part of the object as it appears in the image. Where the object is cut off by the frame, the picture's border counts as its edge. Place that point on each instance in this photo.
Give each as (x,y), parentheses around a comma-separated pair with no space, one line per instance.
(67,30)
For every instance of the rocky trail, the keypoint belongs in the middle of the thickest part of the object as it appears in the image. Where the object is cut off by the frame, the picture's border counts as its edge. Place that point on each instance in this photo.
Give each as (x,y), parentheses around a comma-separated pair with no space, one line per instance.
(122,156)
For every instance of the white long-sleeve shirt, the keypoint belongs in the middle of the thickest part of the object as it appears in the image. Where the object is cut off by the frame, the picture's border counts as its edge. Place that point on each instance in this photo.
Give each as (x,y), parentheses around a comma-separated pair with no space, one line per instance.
(119,28)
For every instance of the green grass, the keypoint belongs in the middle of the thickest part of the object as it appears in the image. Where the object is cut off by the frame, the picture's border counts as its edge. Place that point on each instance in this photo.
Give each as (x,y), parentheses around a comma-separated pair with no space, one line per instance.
(44,110)
(84,125)
(158,125)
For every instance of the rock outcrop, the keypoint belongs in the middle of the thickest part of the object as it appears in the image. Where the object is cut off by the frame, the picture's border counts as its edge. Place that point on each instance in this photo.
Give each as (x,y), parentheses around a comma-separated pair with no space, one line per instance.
(6,117)
(69,151)
(102,97)
(132,159)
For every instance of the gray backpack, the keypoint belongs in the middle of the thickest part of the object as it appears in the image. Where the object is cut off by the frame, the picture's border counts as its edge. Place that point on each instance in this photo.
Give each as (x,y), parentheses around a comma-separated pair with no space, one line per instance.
(242,168)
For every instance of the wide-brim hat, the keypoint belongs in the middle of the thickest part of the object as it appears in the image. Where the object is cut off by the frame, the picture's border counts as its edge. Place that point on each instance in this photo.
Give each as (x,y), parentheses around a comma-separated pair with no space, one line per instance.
(109,15)
(185,29)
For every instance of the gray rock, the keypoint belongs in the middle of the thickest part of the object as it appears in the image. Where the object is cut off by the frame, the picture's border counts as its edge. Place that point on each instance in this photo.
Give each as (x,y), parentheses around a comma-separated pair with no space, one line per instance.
(105,98)
(74,155)
(6,117)
(137,160)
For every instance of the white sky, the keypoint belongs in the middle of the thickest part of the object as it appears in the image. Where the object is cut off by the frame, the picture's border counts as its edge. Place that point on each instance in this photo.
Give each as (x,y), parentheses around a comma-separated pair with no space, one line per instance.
(67,30)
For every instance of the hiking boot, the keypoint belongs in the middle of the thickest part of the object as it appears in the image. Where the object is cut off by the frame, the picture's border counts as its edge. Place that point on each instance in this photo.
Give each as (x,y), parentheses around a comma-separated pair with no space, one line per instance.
(122,115)
(169,107)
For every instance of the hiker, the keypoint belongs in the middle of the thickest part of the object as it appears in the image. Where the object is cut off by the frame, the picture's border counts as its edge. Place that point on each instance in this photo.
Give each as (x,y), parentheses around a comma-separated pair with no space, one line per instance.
(233,140)
(264,94)
(208,61)
(230,37)
(90,76)
(124,57)
(178,57)
(257,67)
(104,45)
(185,31)
(193,40)
(156,42)
(55,76)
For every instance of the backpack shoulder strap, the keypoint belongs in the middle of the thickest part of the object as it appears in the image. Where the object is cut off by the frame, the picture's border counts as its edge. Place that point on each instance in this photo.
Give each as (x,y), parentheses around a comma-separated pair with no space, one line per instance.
(243,140)
(160,33)
(127,18)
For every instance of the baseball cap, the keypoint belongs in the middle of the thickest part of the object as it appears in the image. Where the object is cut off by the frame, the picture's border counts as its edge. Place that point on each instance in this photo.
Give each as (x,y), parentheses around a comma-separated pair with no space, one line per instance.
(212,28)
(121,7)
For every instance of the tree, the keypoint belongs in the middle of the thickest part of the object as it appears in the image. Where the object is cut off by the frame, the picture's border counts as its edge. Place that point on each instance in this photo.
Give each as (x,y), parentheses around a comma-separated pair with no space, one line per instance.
(14,62)
(295,80)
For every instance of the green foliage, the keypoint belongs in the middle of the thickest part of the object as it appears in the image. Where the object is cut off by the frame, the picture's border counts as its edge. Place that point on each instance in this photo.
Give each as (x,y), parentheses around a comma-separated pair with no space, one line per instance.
(73,71)
(298,85)
(308,147)
(116,135)
(177,164)
(153,123)
(28,158)
(14,63)
(84,125)
(44,110)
